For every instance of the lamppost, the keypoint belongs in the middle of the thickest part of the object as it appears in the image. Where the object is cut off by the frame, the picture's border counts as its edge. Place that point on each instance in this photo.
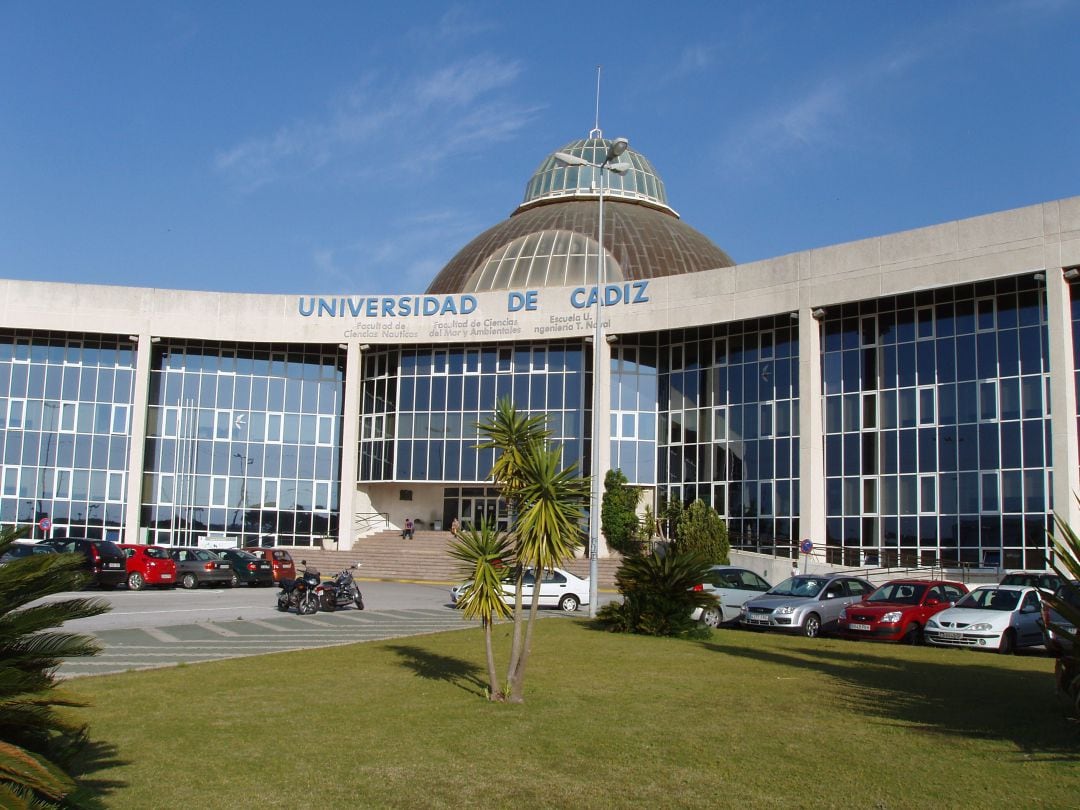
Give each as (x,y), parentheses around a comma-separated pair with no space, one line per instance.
(610,163)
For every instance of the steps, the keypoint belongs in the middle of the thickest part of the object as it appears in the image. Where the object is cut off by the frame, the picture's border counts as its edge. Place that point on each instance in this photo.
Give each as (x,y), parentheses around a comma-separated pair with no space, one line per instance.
(385,555)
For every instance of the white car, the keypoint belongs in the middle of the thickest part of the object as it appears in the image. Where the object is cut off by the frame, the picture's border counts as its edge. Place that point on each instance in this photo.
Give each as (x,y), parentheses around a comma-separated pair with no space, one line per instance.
(558,588)
(991,617)
(732,587)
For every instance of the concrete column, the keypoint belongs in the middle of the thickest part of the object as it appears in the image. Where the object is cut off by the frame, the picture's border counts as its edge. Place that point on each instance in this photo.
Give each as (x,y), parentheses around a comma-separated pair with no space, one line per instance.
(811,432)
(603,403)
(137,441)
(1062,394)
(350,445)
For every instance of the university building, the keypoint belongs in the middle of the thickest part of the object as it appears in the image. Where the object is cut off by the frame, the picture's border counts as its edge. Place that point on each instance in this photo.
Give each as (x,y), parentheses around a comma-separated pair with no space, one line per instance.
(908,398)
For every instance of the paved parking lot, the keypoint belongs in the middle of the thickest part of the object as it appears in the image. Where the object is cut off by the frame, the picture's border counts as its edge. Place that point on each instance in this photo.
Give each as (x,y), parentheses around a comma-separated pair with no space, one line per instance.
(149,629)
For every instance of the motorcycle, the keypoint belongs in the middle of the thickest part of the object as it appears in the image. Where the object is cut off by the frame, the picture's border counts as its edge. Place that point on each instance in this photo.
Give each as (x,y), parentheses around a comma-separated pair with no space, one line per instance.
(300,593)
(341,591)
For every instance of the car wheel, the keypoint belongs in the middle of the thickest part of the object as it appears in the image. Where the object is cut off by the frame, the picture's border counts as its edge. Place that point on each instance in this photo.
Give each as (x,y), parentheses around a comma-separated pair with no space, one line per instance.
(913,634)
(190,581)
(136,581)
(710,617)
(569,603)
(1007,645)
(812,626)
(234,581)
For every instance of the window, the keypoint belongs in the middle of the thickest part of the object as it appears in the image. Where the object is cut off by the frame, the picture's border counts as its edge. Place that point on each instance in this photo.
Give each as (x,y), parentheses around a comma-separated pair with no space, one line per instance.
(273,427)
(16,410)
(120,419)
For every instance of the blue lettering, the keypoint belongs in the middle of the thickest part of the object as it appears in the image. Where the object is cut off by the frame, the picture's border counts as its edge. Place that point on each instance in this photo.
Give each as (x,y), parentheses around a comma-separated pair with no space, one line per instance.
(372,308)
(612,295)
(468,304)
(388,307)
(577,300)
(431,305)
(515,301)
(355,307)
(639,288)
(327,307)
(448,307)
(310,307)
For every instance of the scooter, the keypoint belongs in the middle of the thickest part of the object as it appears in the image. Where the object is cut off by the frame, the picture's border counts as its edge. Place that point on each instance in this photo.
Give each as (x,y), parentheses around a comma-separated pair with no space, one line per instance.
(341,591)
(300,593)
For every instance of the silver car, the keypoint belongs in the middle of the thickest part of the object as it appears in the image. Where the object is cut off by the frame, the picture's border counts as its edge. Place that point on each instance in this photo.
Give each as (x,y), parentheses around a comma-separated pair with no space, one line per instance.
(732,586)
(806,603)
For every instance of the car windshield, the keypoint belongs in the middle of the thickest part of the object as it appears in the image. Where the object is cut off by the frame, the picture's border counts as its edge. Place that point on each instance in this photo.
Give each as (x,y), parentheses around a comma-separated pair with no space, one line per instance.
(799,586)
(904,593)
(156,553)
(108,547)
(1021,579)
(991,599)
(203,554)
(1070,594)
(243,555)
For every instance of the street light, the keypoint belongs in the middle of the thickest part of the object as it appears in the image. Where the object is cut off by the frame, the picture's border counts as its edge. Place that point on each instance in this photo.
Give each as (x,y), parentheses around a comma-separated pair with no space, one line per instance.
(611,163)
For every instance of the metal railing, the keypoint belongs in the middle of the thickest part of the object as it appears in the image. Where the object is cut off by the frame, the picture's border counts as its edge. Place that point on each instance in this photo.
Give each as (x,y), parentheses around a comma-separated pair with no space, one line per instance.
(365,522)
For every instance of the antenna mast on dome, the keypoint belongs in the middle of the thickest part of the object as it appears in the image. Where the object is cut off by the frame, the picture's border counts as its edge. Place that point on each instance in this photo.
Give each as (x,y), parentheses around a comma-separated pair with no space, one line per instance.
(596,133)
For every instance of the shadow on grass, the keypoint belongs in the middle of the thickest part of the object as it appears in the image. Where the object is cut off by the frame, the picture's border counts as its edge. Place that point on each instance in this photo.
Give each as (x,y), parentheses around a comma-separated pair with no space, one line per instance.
(967,697)
(96,756)
(426,664)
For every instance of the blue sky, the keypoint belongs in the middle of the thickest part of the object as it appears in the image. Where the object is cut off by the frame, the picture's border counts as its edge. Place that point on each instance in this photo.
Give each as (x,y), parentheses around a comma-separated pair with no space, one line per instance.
(351,147)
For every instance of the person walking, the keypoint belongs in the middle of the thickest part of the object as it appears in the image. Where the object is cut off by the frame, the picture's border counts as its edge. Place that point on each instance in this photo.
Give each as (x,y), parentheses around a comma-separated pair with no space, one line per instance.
(408,533)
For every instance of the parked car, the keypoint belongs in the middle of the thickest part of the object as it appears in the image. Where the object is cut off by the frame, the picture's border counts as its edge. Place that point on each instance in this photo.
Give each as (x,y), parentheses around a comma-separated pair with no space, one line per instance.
(1056,626)
(807,603)
(732,586)
(102,559)
(246,567)
(1045,581)
(281,562)
(899,610)
(991,617)
(20,549)
(194,566)
(558,588)
(148,565)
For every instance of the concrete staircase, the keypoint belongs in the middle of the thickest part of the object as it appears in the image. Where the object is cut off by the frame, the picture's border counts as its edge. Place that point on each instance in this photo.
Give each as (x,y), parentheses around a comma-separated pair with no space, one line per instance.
(385,555)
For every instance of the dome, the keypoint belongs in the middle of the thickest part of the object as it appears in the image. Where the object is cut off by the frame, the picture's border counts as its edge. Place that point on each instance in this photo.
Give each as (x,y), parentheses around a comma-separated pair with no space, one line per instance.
(551,238)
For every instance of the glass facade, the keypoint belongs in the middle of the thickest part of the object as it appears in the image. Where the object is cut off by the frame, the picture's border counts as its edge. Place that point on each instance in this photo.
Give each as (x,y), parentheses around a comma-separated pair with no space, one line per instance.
(634,378)
(728,429)
(65,422)
(243,440)
(421,406)
(937,427)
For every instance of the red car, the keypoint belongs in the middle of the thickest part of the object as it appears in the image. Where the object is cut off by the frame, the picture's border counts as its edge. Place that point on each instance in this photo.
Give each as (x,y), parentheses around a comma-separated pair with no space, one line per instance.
(899,610)
(148,565)
(280,560)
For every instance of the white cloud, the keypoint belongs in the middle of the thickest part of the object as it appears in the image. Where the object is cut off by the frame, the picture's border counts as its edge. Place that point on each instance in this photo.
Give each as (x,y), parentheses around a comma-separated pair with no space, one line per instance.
(457,108)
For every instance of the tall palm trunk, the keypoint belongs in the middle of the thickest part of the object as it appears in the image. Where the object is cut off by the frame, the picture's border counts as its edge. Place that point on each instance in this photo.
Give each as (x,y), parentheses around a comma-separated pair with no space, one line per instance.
(494,692)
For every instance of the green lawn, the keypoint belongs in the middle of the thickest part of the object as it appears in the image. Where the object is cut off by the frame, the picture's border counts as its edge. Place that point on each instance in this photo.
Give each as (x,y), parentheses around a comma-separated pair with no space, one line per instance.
(738,720)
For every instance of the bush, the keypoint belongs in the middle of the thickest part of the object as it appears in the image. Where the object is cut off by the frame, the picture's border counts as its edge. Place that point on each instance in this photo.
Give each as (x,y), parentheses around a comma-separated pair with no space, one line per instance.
(658,594)
(700,529)
(618,514)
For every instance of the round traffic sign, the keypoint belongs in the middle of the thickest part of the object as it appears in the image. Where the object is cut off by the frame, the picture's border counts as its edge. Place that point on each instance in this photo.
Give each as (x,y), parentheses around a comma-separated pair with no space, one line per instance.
(806,546)
(45,524)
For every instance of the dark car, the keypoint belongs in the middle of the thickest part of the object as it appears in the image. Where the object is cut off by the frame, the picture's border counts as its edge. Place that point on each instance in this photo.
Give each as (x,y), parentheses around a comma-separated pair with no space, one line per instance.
(1043,580)
(18,550)
(1056,628)
(899,610)
(102,559)
(194,566)
(247,567)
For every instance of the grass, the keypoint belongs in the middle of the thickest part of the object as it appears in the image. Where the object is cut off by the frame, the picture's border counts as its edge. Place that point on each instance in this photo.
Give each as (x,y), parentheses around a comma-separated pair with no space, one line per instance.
(737,720)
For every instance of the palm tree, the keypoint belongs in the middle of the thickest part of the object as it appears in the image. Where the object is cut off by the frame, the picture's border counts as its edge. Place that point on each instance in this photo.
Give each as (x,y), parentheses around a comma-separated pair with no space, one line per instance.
(484,555)
(659,592)
(511,434)
(548,529)
(36,745)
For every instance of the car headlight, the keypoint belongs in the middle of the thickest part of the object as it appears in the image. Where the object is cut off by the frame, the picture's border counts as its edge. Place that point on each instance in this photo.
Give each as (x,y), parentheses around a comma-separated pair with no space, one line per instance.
(933,623)
(892,617)
(843,615)
(784,610)
(981,626)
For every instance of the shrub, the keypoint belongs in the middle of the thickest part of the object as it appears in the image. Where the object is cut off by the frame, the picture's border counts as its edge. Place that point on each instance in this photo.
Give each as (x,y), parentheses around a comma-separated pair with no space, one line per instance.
(700,529)
(658,594)
(618,514)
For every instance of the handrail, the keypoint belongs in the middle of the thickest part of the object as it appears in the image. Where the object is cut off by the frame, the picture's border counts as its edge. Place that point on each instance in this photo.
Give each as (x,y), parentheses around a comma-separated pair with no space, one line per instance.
(364,521)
